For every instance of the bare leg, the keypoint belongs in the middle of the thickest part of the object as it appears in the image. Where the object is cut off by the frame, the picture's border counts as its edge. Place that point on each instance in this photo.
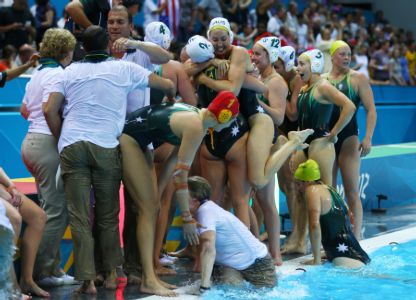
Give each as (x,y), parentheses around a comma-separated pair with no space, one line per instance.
(349,163)
(140,180)
(87,287)
(346,262)
(238,183)
(297,240)
(323,153)
(265,197)
(262,165)
(35,218)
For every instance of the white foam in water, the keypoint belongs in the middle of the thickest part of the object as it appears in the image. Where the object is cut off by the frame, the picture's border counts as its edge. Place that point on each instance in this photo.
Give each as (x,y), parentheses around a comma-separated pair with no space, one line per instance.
(6,252)
(293,283)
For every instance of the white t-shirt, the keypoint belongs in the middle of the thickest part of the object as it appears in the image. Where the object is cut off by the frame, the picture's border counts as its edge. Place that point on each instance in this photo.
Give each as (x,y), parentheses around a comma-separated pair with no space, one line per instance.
(37,93)
(235,246)
(96,100)
(273,25)
(138,98)
(363,59)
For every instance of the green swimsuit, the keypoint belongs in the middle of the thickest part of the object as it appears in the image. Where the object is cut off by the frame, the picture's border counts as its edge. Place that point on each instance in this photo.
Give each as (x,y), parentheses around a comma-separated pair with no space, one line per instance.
(337,237)
(151,124)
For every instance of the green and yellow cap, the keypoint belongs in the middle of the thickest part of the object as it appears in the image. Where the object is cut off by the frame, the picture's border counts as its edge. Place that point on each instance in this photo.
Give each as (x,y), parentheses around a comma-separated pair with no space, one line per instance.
(308,171)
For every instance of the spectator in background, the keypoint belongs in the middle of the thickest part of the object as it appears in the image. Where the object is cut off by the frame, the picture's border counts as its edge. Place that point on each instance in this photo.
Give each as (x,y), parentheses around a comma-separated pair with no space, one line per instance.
(277,20)
(405,66)
(411,59)
(361,60)
(23,56)
(188,11)
(208,9)
(292,21)
(302,33)
(262,10)
(45,18)
(395,68)
(379,64)
(17,24)
(151,12)
(7,60)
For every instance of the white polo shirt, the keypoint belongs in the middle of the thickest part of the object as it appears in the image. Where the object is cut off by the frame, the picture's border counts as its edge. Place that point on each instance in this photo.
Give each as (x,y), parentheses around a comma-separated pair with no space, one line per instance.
(138,98)
(96,100)
(236,247)
(37,93)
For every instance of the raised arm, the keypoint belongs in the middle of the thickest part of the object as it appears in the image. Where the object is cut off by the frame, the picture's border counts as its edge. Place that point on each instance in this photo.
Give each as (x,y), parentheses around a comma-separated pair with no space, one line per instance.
(76,10)
(157,54)
(366,94)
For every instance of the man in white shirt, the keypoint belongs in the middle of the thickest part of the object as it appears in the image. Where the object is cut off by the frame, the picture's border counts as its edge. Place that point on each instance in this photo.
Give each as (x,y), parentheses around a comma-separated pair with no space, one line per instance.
(95,94)
(145,54)
(225,241)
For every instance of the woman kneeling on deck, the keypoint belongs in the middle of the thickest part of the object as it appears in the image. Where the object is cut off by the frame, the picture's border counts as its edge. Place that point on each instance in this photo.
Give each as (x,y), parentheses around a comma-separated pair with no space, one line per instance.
(329,221)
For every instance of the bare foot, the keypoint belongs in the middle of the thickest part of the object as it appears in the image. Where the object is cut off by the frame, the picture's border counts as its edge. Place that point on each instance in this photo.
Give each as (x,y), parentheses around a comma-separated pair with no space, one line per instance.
(299,136)
(167,285)
(87,287)
(183,253)
(99,280)
(32,288)
(263,237)
(278,260)
(293,248)
(155,288)
(160,270)
(110,282)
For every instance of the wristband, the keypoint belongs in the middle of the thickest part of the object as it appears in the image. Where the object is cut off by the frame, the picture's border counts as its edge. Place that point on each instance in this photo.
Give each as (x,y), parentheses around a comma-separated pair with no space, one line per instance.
(10,188)
(191,221)
(187,219)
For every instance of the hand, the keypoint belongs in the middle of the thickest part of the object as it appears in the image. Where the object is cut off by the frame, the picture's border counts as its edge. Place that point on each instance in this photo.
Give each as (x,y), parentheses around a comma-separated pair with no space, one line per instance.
(16,200)
(122,44)
(365,147)
(199,78)
(33,59)
(190,232)
(223,68)
(332,138)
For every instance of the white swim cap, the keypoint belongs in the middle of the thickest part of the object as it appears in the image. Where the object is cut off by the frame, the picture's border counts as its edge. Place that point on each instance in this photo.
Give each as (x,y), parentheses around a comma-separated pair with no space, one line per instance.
(287,55)
(199,49)
(158,33)
(222,24)
(316,59)
(272,45)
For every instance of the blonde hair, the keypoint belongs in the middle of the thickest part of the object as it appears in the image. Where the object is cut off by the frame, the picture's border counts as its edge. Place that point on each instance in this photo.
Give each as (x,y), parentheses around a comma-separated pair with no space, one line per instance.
(56,43)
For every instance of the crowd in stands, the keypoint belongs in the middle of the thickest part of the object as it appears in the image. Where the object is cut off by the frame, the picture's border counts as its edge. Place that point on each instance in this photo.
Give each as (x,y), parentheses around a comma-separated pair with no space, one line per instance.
(118,115)
(384,53)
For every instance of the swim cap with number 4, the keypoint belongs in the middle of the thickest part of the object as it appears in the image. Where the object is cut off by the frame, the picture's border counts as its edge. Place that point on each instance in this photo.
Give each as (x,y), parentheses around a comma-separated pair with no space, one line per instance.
(158,33)
(199,49)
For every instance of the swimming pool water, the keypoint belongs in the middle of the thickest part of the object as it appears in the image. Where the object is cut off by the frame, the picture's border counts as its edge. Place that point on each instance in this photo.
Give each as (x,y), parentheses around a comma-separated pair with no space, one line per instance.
(390,275)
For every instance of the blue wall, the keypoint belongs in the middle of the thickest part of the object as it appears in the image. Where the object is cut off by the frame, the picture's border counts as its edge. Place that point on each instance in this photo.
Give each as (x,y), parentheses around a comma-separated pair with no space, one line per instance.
(396,109)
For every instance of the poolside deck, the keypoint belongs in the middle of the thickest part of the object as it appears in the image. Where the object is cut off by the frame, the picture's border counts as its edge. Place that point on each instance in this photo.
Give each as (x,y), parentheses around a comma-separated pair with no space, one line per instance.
(396,218)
